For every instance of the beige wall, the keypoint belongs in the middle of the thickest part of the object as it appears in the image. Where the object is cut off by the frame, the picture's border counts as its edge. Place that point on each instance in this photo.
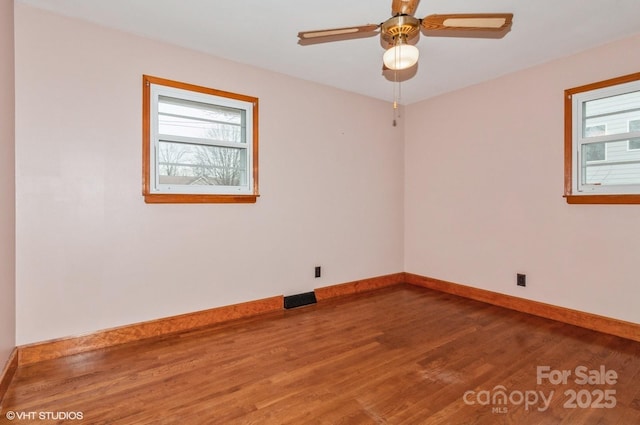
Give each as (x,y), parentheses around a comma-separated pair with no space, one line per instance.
(93,255)
(481,170)
(7,184)
(484,186)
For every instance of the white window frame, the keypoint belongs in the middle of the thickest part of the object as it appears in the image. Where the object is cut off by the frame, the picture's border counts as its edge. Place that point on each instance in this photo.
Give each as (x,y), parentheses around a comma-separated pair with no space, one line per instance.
(575,100)
(154,191)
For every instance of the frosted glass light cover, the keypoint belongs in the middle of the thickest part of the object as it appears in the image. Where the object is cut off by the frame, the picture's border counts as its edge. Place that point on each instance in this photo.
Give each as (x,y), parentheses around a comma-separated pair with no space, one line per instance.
(402,56)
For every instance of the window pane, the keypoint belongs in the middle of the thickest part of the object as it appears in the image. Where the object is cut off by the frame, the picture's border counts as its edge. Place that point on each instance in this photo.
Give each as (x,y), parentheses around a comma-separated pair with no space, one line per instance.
(595,130)
(617,166)
(613,112)
(594,152)
(204,165)
(178,117)
(634,143)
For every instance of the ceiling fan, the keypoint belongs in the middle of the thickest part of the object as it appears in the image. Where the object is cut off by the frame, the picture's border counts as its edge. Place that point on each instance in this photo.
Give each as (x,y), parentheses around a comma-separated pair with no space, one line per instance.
(399,33)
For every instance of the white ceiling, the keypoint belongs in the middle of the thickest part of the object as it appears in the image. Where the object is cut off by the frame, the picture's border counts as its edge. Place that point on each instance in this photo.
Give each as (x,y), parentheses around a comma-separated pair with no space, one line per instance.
(263,33)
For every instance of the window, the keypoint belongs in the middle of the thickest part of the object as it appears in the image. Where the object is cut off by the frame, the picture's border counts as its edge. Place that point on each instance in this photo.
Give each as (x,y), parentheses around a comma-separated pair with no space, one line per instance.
(602,142)
(199,145)
(595,151)
(634,126)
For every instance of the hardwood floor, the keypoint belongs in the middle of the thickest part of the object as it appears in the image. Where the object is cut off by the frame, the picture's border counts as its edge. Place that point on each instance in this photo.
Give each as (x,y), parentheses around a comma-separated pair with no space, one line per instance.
(399,355)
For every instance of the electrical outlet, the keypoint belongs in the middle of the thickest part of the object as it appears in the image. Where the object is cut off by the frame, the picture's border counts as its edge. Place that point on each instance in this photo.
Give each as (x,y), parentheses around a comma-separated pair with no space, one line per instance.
(521,279)
(318,271)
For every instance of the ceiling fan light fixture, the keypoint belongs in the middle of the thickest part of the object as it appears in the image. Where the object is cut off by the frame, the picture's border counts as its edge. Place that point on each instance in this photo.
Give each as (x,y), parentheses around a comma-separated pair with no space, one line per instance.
(401,56)
(402,31)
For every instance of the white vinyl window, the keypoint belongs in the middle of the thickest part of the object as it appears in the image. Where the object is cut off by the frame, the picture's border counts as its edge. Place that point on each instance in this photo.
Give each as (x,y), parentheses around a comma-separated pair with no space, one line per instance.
(605,139)
(202,144)
(634,143)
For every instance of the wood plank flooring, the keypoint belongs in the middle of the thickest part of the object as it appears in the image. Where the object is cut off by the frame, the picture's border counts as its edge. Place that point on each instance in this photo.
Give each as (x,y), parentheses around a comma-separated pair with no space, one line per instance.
(399,355)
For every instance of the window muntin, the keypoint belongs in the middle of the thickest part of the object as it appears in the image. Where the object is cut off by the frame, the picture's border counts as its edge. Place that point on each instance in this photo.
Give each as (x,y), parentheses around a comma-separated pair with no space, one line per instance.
(601,156)
(200,145)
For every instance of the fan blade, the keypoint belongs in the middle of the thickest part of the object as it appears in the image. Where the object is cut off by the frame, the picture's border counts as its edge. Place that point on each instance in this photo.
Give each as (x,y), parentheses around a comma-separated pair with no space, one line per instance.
(332,38)
(404,7)
(488,25)
(307,35)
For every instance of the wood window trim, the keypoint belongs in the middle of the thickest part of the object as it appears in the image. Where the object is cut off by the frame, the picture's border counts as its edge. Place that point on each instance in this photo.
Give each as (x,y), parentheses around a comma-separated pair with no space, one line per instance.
(568,147)
(163,198)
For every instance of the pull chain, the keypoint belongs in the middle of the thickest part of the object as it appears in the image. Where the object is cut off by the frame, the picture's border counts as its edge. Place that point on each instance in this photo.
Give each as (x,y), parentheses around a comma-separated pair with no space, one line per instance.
(395,112)
(397,95)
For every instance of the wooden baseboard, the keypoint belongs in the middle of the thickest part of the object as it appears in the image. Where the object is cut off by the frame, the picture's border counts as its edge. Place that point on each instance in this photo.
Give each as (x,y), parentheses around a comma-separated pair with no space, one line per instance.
(7,374)
(53,349)
(358,286)
(573,317)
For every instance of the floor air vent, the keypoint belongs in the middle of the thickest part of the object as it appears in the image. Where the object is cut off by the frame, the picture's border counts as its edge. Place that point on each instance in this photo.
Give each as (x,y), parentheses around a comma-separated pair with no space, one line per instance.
(298,300)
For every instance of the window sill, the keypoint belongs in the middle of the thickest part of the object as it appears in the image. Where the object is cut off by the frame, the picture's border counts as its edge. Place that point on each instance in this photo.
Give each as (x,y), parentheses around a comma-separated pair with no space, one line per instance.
(199,199)
(602,199)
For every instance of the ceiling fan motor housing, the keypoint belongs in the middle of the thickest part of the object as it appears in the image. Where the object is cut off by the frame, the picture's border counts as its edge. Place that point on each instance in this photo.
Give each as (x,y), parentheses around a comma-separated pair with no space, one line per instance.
(404,26)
